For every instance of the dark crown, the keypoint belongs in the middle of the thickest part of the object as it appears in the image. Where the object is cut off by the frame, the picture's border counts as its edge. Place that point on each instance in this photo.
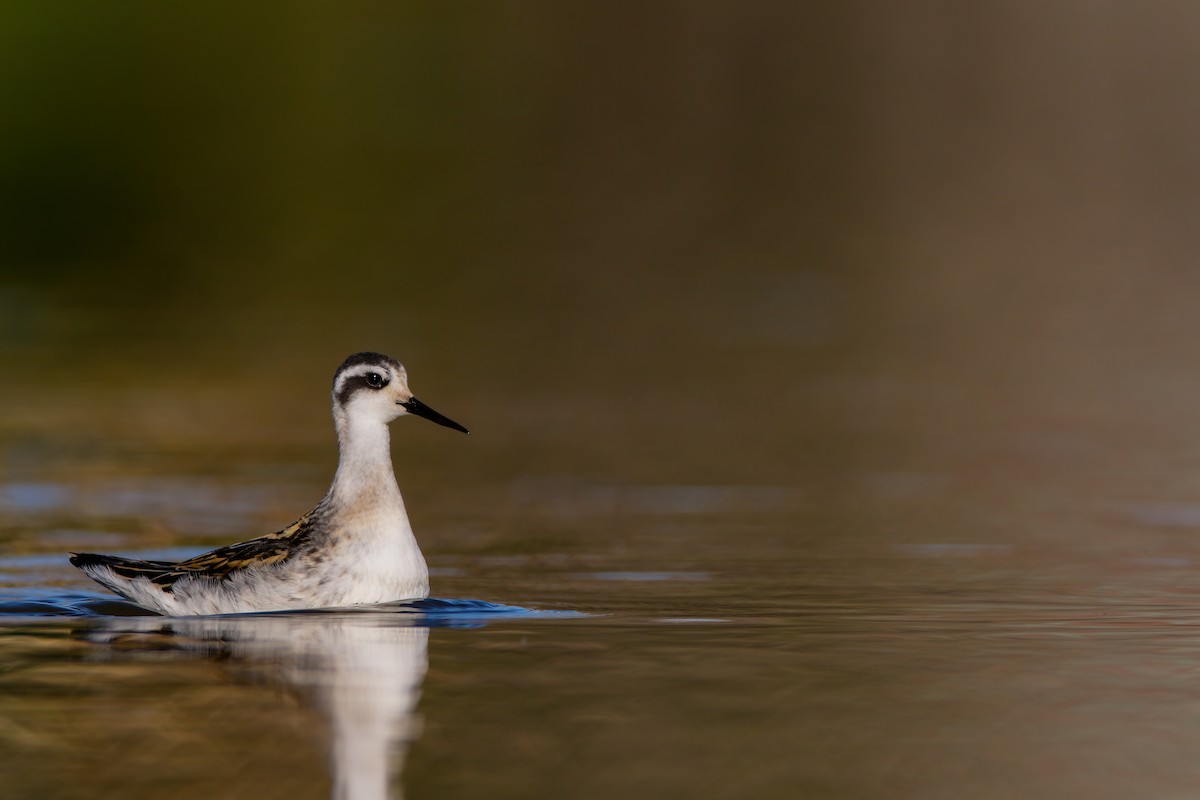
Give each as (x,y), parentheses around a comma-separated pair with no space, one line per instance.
(371,359)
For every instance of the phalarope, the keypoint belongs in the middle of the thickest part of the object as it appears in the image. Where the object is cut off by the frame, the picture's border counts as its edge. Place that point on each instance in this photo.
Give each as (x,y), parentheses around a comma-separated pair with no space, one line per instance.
(355,548)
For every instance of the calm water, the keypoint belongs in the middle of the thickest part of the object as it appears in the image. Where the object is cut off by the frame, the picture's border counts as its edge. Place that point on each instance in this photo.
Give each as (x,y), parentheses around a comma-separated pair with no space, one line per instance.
(701,656)
(918,583)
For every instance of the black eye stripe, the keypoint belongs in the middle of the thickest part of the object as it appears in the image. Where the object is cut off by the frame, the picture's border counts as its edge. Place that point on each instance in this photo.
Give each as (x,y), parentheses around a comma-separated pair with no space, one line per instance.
(357,382)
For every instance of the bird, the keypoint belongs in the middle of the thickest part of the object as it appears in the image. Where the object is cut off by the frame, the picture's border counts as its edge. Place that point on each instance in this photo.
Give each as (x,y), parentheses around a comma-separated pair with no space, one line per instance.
(356,547)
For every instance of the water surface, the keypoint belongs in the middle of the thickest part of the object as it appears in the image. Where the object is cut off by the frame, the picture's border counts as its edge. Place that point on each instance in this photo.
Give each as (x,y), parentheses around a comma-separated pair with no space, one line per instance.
(897,674)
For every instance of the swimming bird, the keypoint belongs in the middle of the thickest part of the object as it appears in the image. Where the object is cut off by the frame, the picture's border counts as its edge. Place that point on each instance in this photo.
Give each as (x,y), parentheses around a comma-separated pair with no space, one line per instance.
(355,548)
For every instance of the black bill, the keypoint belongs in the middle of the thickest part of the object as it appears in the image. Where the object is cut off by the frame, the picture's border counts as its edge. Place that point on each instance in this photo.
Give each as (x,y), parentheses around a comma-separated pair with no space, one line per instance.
(419,409)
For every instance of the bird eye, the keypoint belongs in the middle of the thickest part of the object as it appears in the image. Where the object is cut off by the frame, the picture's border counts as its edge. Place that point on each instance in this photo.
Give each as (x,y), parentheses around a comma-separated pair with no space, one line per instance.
(374,380)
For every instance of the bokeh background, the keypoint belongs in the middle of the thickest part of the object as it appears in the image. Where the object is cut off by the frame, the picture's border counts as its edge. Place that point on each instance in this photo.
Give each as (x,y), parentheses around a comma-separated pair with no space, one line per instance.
(787,245)
(803,295)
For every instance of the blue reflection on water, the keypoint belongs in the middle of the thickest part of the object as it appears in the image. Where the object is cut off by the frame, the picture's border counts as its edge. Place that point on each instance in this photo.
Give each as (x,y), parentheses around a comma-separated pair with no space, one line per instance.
(33,496)
(432,612)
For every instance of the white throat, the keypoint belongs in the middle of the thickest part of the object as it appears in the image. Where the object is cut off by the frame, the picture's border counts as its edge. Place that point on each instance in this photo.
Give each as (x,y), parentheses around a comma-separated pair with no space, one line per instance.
(364,474)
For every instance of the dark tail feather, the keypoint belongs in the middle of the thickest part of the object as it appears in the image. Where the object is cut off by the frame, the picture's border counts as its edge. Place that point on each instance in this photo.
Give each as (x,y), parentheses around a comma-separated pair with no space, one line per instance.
(128,567)
(82,560)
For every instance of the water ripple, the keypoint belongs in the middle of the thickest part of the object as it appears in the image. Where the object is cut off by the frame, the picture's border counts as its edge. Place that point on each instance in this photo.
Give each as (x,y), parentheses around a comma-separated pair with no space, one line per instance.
(431,612)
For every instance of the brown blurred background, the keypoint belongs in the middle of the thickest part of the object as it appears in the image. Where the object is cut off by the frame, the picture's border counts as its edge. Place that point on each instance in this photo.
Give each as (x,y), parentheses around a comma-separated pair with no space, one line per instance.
(832,246)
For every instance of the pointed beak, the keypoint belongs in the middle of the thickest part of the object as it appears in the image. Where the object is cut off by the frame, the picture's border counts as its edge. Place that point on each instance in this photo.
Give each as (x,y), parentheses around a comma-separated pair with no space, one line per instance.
(419,409)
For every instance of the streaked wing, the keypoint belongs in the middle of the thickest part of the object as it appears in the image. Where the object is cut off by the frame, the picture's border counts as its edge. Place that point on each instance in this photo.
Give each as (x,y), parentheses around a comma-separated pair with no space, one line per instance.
(218,564)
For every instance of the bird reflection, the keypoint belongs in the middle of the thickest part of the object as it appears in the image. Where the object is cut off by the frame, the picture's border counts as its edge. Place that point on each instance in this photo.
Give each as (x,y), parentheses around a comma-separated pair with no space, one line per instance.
(362,669)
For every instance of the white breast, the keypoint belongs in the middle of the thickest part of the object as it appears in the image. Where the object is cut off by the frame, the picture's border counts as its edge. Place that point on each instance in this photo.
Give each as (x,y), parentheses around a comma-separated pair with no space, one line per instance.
(373,557)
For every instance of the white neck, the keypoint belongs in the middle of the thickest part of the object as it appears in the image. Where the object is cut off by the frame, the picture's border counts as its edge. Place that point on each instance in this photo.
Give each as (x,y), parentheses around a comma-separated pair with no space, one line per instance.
(364,472)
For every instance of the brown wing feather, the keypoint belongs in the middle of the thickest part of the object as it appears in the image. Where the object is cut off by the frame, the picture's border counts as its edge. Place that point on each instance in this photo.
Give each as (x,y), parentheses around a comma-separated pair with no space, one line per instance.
(218,564)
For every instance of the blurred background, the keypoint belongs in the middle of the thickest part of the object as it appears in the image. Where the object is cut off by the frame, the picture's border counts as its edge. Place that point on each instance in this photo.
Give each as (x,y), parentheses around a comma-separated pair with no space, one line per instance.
(829,248)
(756,311)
